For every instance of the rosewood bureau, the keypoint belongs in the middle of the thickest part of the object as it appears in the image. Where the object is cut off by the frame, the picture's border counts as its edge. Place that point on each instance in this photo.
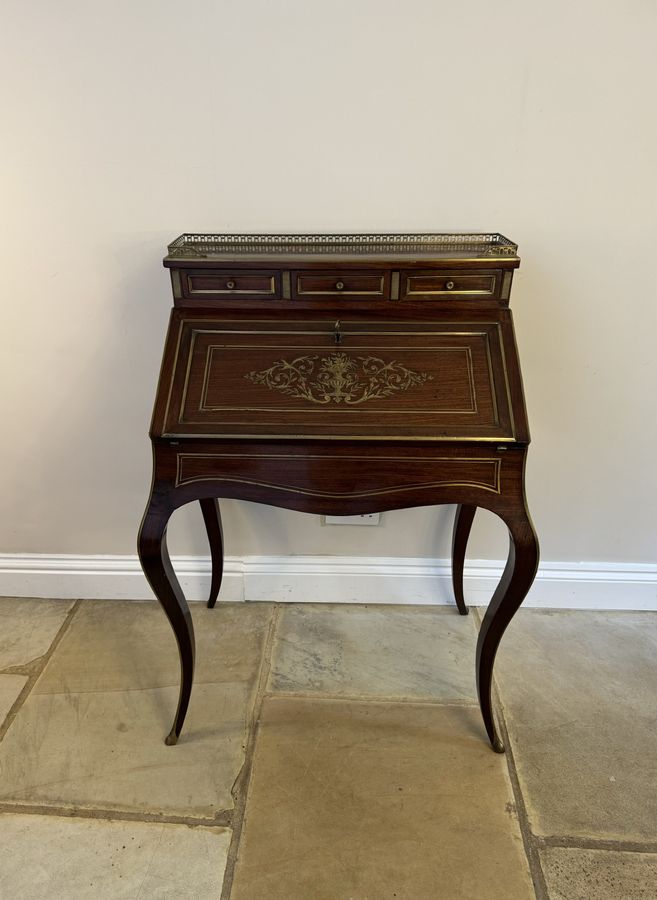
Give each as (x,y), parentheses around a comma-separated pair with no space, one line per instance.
(341,374)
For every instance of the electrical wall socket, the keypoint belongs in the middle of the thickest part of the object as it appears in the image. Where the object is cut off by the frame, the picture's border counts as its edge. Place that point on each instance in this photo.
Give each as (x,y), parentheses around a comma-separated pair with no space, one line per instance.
(369,519)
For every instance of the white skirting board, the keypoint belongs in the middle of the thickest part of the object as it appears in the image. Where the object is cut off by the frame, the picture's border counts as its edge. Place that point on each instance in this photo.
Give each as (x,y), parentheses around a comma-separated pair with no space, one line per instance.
(330,579)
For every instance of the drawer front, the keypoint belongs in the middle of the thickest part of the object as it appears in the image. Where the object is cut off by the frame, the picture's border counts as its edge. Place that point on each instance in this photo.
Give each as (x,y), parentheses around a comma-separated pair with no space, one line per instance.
(425,285)
(216,283)
(353,477)
(340,284)
(249,379)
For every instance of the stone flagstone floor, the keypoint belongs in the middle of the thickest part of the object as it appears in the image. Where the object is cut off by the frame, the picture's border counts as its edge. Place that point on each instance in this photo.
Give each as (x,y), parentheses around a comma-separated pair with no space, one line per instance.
(330,753)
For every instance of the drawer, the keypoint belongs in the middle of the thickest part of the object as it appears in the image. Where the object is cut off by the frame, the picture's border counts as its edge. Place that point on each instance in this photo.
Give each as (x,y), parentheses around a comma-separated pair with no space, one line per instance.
(245,283)
(420,285)
(354,476)
(340,284)
(442,381)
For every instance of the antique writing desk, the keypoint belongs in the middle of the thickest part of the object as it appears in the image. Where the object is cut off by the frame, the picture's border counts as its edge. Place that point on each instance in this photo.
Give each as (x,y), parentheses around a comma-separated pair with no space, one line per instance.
(341,374)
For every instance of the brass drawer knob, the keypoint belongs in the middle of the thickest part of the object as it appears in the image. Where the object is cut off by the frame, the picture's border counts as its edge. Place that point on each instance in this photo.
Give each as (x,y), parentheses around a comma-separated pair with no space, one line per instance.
(450,285)
(339,285)
(230,285)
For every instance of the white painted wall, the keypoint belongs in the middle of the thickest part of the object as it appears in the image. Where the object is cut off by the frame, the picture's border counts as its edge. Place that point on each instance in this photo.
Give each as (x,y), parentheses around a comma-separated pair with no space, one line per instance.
(127,123)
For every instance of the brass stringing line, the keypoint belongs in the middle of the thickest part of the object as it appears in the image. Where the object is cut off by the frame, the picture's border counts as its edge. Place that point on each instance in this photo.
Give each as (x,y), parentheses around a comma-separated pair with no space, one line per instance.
(173,370)
(334,410)
(183,398)
(190,320)
(317,436)
(394,258)
(483,459)
(329,333)
(455,293)
(500,337)
(196,291)
(491,377)
(181,457)
(209,352)
(326,348)
(423,485)
(338,293)
(473,390)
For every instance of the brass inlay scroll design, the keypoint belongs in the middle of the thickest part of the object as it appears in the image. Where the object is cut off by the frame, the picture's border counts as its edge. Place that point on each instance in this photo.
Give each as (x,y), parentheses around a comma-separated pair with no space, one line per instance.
(338,378)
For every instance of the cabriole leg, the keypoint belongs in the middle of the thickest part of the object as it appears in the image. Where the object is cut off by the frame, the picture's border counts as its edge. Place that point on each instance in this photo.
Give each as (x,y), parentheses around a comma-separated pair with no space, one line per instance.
(462,525)
(511,591)
(212,519)
(156,564)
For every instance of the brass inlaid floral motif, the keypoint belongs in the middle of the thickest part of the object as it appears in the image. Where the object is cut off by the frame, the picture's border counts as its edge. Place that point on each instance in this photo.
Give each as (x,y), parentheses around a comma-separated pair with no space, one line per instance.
(338,378)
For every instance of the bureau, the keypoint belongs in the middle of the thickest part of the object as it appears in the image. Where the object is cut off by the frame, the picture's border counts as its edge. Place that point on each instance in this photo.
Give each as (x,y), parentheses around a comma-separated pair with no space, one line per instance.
(341,374)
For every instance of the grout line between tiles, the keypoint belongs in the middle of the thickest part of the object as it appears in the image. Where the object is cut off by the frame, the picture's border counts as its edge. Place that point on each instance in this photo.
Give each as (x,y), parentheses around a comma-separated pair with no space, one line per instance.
(125,690)
(583,843)
(534,843)
(528,838)
(223,819)
(368,698)
(35,668)
(241,785)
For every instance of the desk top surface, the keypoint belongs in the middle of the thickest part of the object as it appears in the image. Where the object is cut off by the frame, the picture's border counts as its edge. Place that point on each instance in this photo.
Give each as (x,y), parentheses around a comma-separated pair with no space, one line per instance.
(371,246)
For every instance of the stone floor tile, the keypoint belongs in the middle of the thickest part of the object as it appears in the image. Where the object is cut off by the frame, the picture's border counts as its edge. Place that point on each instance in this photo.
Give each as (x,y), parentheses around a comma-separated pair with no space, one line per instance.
(375,800)
(578,689)
(48,857)
(573,874)
(385,651)
(10,688)
(28,628)
(91,733)
(124,645)
(106,751)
